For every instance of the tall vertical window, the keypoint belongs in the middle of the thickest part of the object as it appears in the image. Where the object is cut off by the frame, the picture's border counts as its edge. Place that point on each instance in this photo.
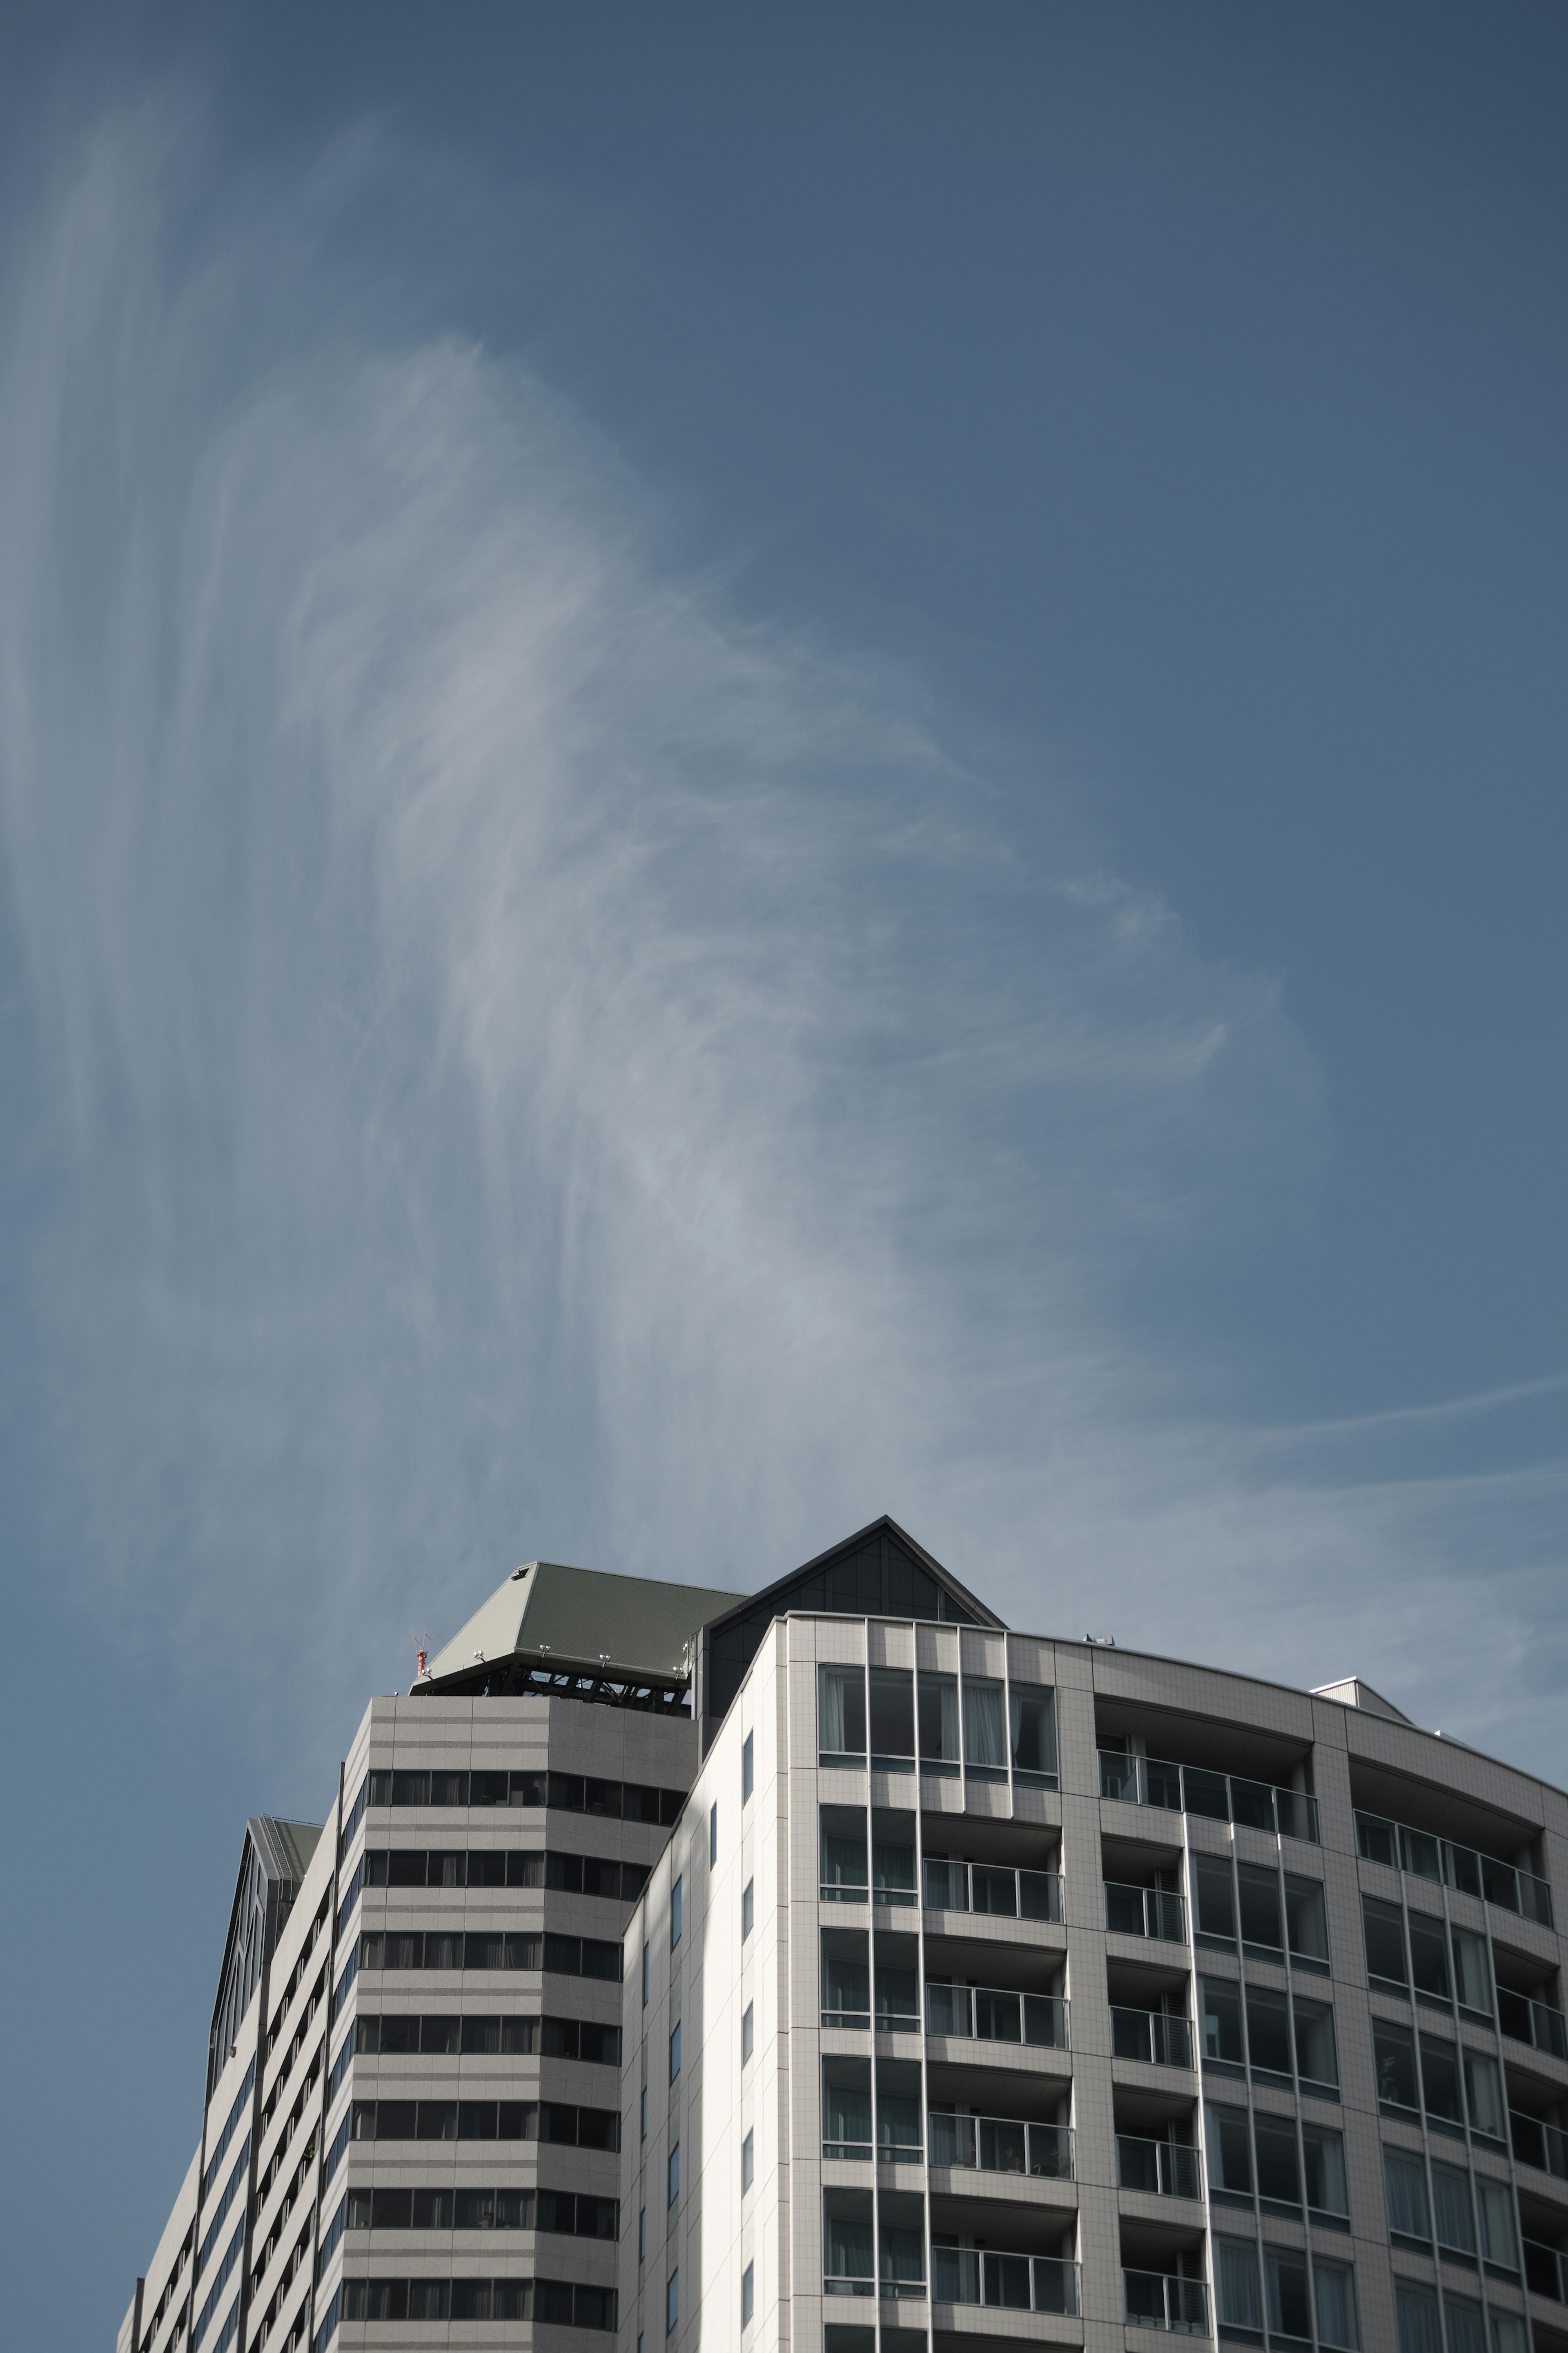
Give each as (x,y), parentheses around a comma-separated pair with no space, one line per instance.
(747,2161)
(674,2174)
(746,1767)
(1032,1725)
(892,1719)
(675,1894)
(1334,2290)
(712,1836)
(1285,2289)
(936,1710)
(748,2293)
(642,2233)
(645,2112)
(1416,2309)
(841,1711)
(645,1976)
(671,2302)
(747,2030)
(748,1908)
(984,1743)
(675,2054)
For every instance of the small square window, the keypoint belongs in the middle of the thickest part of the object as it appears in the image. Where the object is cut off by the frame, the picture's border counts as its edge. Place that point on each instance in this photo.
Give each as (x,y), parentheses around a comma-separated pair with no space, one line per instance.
(674,2174)
(675,1915)
(747,2030)
(746,1767)
(748,2288)
(748,2162)
(671,2302)
(747,1909)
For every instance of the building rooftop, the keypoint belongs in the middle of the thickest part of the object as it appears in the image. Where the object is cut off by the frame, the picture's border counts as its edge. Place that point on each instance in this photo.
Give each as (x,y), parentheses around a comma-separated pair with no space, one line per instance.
(551,1625)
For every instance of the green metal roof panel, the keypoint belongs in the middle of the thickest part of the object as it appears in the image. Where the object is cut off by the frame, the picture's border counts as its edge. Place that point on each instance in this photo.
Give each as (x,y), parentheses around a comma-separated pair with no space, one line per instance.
(629,1628)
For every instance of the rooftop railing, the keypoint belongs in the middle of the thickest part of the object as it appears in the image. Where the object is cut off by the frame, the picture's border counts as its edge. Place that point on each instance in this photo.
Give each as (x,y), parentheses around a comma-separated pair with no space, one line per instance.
(984,1887)
(1422,1855)
(1001,2145)
(1222,1797)
(1539,2143)
(1162,2168)
(1145,1912)
(988,2014)
(1160,2300)
(1535,2023)
(1005,2283)
(1150,2036)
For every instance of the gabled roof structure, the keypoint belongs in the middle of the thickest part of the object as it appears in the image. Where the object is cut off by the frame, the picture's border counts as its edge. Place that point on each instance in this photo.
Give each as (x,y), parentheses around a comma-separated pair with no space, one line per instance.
(272,1864)
(879,1572)
(583,1631)
(1354,1693)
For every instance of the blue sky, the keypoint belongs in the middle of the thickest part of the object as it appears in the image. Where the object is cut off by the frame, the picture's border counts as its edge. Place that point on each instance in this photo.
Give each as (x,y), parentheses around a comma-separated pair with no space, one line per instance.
(751,770)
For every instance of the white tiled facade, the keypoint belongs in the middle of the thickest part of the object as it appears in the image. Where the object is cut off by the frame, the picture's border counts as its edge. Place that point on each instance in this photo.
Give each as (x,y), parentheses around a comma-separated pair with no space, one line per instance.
(1113,2249)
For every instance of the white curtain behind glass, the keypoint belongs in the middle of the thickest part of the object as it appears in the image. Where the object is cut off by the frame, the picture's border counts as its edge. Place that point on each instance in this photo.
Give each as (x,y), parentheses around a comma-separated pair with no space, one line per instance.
(830,1710)
(985,1738)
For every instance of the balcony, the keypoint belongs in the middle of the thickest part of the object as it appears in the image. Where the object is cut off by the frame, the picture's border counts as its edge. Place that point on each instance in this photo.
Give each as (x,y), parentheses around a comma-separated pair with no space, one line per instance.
(1145,1912)
(1422,1856)
(1545,2271)
(1222,1797)
(1149,2036)
(1161,2167)
(979,1887)
(1005,2283)
(1541,2145)
(1161,2300)
(988,2014)
(1001,2145)
(1534,2023)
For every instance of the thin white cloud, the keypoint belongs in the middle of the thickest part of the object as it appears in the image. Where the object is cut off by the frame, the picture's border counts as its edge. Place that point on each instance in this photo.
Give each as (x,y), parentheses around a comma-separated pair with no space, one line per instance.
(546,1065)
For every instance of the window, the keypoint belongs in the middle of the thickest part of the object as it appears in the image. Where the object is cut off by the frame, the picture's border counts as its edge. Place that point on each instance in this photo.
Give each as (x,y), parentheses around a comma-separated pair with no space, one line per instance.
(1508,2333)
(1383,1930)
(1483,2097)
(642,2233)
(1317,2056)
(645,2112)
(1213,1901)
(748,1909)
(846,2108)
(746,1767)
(1224,2050)
(712,1836)
(1405,2188)
(1416,2309)
(1306,1921)
(1285,2289)
(1240,2305)
(892,1719)
(674,2174)
(747,2162)
(747,2030)
(1428,1957)
(1229,2150)
(985,1748)
(1269,2035)
(675,1906)
(1462,2319)
(893,1857)
(1333,2288)
(1440,2084)
(1032,1724)
(937,1712)
(1451,2215)
(842,1833)
(748,2293)
(1279,2163)
(675,2054)
(1258,1893)
(1495,2202)
(645,1976)
(671,2301)
(846,1978)
(1323,2155)
(1393,2062)
(841,1712)
(1472,1978)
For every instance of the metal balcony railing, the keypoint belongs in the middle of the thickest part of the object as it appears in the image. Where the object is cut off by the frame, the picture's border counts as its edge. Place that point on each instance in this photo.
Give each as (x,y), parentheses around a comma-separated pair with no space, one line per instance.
(1535,2023)
(1223,1797)
(1545,2271)
(1160,2300)
(988,2014)
(1008,2283)
(1149,2035)
(1004,1895)
(1145,1912)
(1539,2143)
(1422,1856)
(1162,2166)
(1001,2145)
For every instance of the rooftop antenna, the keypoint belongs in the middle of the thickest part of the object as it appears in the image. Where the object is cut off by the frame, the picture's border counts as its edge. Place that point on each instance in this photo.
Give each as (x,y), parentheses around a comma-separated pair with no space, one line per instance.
(421,1649)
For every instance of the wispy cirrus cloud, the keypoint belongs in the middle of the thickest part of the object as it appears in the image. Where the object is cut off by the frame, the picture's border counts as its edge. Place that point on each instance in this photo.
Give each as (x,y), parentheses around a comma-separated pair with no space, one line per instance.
(543,1063)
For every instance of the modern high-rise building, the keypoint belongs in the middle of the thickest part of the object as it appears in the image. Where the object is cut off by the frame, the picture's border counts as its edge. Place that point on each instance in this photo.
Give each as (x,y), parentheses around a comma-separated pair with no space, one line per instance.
(836,1968)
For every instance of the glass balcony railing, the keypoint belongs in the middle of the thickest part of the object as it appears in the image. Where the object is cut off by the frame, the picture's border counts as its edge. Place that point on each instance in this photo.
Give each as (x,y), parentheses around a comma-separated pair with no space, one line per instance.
(1149,2035)
(1160,2300)
(1001,2145)
(1005,2283)
(1223,1797)
(1145,1912)
(985,2014)
(1162,2168)
(1544,2271)
(1535,2023)
(982,1887)
(1422,1856)
(1539,2143)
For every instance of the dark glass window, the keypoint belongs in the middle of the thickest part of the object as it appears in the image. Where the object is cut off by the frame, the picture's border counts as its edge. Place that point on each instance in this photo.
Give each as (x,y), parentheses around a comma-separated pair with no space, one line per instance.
(1259,1902)
(1394,2064)
(489,1789)
(1221,2000)
(1214,1900)
(1428,1956)
(1279,2166)
(1268,2033)
(1440,2082)
(1383,1926)
(746,1767)
(892,1715)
